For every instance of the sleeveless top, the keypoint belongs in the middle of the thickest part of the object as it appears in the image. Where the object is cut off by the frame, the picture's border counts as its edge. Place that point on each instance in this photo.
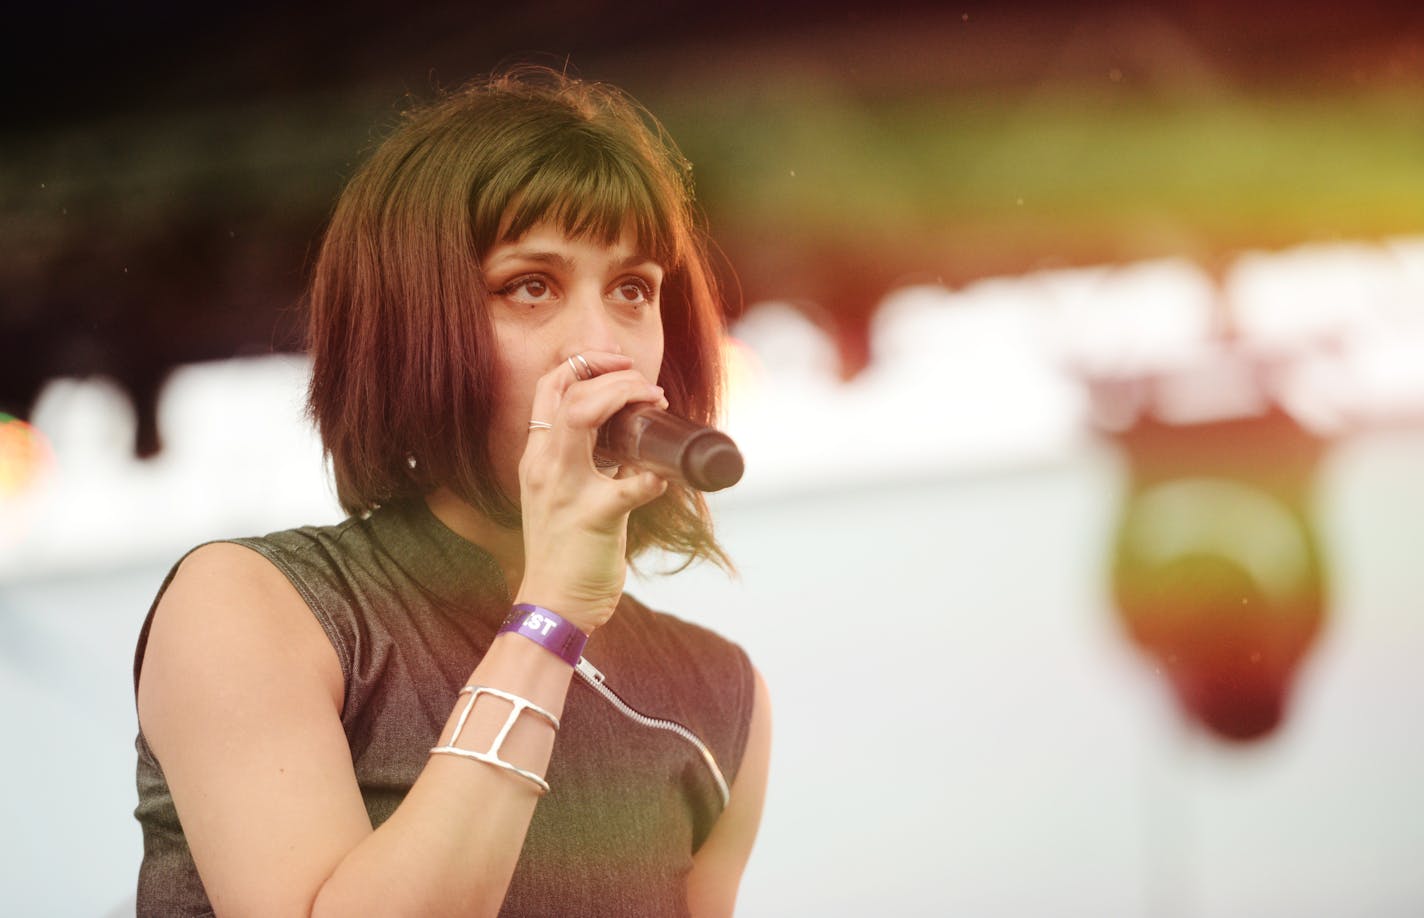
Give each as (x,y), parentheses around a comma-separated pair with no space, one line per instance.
(411,608)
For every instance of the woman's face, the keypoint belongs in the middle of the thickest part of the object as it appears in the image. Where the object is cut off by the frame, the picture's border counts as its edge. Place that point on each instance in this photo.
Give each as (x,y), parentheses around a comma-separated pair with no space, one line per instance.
(551,297)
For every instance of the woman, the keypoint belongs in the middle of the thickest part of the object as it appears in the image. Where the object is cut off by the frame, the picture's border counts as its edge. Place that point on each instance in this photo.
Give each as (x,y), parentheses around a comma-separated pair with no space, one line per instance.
(513,265)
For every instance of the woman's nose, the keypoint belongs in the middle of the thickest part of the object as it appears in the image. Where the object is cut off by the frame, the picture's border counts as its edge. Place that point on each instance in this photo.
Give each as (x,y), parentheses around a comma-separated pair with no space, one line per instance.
(594,327)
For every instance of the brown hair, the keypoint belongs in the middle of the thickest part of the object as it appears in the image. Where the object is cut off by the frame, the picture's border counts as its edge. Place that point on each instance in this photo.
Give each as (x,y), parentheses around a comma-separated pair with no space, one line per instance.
(401,341)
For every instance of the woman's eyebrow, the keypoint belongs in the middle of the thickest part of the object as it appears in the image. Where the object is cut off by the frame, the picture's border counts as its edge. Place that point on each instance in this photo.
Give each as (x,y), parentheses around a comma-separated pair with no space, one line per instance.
(638,260)
(545,258)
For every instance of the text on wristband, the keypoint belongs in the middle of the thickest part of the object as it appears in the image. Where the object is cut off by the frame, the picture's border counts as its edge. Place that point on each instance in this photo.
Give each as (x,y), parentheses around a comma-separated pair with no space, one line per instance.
(536,622)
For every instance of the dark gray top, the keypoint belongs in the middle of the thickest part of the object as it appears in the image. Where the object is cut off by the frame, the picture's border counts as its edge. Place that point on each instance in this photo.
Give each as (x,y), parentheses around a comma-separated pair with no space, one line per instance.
(410,608)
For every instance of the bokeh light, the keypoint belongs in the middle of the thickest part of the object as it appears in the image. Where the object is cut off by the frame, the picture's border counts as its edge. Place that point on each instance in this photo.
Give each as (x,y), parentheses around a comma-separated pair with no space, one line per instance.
(25,457)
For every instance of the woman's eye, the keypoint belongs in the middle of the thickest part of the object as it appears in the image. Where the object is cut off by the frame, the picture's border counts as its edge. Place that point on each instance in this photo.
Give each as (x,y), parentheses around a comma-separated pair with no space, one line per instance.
(529,289)
(635,291)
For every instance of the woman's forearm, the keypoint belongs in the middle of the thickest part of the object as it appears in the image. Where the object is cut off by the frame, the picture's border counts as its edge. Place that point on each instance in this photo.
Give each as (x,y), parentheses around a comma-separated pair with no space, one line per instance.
(452,844)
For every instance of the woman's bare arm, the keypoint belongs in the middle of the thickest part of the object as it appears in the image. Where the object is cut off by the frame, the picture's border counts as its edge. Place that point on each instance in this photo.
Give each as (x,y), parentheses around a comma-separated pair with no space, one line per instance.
(240,699)
(718,865)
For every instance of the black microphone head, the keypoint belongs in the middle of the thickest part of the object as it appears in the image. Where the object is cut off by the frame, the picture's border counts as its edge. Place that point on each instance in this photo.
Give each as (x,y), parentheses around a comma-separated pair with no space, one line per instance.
(712,462)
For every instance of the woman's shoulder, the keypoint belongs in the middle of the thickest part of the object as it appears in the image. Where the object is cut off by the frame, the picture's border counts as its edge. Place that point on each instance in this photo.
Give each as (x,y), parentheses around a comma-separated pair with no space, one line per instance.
(688,672)
(694,661)
(230,568)
(253,567)
(225,616)
(253,592)
(316,547)
(668,631)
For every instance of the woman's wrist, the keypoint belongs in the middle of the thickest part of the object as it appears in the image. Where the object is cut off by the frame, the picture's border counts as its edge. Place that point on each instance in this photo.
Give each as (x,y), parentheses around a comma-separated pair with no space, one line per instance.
(548,629)
(524,668)
(581,613)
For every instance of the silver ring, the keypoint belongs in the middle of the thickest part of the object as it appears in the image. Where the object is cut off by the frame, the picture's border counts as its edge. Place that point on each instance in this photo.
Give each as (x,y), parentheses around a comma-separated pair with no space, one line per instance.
(580,374)
(540,425)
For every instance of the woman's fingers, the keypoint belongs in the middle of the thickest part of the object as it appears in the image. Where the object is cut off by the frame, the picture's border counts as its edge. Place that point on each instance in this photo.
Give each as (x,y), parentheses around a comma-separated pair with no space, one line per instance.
(588,405)
(549,396)
(574,409)
(575,519)
(638,489)
(549,391)
(559,456)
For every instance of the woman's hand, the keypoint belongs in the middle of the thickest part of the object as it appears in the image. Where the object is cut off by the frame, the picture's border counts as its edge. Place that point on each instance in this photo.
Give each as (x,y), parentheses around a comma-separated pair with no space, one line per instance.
(575,517)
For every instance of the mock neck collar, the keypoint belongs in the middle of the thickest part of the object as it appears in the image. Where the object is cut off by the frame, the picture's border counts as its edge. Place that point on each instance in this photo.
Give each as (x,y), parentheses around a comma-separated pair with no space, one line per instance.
(454,569)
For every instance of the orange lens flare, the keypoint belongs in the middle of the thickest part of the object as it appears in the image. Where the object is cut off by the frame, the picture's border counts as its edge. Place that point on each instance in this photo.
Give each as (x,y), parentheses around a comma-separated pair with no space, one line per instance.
(25,456)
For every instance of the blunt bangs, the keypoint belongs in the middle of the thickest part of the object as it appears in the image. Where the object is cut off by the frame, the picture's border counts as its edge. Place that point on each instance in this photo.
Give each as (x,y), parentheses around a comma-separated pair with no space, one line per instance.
(590,186)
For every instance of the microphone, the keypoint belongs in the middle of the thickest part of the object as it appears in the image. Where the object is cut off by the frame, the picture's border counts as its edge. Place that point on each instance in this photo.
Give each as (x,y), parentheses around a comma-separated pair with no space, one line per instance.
(671,447)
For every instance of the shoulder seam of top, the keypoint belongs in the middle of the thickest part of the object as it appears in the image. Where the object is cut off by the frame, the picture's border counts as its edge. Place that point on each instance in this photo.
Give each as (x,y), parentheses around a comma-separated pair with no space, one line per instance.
(276,555)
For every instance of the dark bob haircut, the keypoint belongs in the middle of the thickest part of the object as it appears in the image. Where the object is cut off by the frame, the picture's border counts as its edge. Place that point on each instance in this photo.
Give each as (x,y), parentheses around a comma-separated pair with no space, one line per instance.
(401,340)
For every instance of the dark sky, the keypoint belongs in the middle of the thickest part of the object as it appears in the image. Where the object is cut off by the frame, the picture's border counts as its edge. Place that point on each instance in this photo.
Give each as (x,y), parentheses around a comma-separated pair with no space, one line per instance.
(71,61)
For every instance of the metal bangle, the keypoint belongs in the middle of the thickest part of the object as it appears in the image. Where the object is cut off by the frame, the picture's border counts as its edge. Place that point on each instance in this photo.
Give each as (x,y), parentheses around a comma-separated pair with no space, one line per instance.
(491,757)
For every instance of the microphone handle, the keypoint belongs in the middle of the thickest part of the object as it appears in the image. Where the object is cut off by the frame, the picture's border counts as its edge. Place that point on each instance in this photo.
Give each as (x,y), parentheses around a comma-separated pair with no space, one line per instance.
(671,447)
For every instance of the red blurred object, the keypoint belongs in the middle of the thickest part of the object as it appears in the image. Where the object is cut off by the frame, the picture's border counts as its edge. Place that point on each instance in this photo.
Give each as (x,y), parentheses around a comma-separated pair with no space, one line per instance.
(1217,573)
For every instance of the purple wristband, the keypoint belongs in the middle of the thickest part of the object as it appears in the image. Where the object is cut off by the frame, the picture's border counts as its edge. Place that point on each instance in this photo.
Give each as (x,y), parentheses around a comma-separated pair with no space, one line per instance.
(546,629)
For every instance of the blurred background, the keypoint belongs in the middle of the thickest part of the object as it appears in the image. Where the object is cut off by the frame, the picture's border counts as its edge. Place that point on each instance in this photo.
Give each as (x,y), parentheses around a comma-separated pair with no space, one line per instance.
(1077,356)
